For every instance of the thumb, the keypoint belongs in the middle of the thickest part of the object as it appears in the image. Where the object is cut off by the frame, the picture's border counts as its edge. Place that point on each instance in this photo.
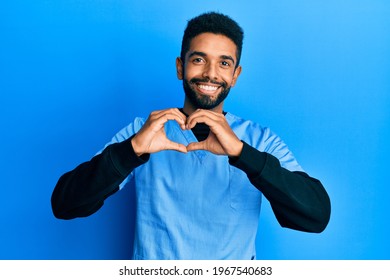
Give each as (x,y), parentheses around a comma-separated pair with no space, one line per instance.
(170,145)
(196,146)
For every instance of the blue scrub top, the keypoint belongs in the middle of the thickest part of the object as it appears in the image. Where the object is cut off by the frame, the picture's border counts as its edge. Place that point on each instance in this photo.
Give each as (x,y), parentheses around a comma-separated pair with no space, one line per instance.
(197,205)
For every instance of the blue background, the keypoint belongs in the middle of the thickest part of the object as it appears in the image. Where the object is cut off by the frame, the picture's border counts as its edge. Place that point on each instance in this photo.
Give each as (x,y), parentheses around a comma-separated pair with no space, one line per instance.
(72,73)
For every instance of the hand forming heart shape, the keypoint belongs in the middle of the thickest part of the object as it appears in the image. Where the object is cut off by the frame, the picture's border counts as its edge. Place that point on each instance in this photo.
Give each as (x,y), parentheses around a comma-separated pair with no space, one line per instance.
(152,138)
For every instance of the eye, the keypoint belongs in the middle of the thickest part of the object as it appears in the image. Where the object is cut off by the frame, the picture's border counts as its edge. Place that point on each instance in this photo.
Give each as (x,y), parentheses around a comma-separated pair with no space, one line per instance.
(198,60)
(225,64)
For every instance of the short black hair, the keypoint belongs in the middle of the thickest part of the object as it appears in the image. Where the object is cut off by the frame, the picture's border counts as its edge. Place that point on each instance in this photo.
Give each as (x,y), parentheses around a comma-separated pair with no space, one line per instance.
(216,23)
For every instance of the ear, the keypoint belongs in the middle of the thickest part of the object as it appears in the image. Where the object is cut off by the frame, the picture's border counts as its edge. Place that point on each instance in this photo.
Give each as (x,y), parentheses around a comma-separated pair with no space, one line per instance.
(236,73)
(179,68)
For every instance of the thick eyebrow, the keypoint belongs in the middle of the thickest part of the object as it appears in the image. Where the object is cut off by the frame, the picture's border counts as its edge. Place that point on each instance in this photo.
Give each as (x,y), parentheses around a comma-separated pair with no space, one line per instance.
(228,57)
(202,54)
(196,53)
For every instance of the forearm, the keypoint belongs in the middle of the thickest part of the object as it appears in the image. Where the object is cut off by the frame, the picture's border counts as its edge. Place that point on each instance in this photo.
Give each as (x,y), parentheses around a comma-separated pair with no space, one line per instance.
(82,191)
(299,201)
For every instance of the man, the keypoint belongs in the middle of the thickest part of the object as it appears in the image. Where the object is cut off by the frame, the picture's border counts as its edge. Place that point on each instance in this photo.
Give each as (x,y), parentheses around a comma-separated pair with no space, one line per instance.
(199,172)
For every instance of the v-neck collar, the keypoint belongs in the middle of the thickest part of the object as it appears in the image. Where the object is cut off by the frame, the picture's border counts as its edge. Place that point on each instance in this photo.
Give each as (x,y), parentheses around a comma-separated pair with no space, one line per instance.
(190,137)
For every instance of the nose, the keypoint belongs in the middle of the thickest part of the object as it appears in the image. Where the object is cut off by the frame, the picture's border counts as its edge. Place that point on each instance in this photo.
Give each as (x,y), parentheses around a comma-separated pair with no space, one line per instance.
(210,71)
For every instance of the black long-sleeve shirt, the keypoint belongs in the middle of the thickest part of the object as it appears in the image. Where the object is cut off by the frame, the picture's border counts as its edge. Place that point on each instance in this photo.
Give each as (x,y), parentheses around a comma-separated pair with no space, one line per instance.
(299,201)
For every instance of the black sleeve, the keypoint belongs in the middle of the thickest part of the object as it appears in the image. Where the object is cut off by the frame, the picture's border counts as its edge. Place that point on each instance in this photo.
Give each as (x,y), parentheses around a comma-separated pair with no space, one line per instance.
(299,201)
(82,191)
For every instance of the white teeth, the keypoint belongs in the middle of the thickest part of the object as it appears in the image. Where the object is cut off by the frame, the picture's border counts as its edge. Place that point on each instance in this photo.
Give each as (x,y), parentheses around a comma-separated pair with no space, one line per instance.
(207,87)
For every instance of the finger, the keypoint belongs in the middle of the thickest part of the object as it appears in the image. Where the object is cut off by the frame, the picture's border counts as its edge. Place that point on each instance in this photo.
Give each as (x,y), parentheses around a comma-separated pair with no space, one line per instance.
(176,147)
(203,116)
(159,121)
(182,116)
(194,146)
(180,113)
(158,114)
(161,117)
(202,119)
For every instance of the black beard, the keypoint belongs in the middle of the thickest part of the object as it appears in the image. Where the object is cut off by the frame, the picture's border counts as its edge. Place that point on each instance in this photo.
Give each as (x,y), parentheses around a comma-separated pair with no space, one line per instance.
(204,101)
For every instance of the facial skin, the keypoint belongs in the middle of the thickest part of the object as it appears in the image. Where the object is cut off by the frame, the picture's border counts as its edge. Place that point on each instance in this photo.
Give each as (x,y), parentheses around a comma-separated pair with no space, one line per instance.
(208,72)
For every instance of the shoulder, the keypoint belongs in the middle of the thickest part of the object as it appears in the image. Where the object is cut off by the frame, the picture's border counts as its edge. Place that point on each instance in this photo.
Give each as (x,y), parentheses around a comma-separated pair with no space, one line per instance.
(128,131)
(249,131)
(239,122)
(263,139)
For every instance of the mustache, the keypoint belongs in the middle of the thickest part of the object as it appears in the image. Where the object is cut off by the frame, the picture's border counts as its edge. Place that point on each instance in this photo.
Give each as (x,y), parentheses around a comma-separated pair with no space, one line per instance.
(207,80)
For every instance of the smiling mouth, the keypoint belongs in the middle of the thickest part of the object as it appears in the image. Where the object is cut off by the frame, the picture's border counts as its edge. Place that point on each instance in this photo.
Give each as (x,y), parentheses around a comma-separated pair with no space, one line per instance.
(207,89)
